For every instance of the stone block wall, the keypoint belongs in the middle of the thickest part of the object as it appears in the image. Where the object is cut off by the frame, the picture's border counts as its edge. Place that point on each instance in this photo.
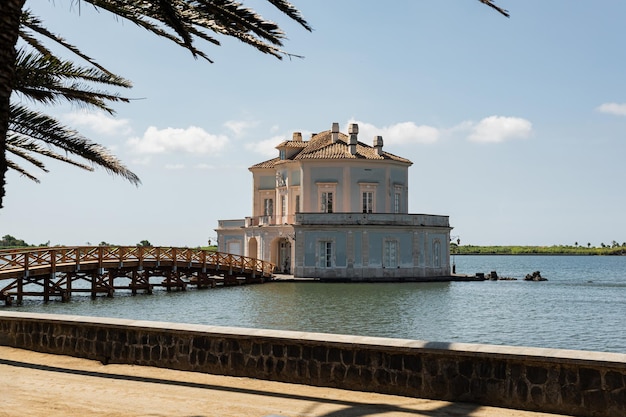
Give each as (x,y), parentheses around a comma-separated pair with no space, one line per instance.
(577,383)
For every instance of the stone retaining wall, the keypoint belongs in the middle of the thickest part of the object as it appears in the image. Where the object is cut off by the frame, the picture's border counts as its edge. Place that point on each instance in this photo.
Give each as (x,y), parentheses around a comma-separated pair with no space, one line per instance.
(569,382)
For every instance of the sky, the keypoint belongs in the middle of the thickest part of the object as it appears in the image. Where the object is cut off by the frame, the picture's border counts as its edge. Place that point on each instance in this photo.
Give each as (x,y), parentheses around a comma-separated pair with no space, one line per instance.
(516,127)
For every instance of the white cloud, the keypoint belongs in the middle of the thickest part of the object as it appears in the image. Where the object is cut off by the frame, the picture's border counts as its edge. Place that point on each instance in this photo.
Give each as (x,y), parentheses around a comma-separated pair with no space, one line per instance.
(141,161)
(193,140)
(99,122)
(496,129)
(403,133)
(613,108)
(174,167)
(238,127)
(266,147)
(204,166)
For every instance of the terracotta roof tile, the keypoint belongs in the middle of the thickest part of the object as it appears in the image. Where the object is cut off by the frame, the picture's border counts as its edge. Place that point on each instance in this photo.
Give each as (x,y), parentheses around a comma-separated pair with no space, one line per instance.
(292,144)
(320,146)
(267,164)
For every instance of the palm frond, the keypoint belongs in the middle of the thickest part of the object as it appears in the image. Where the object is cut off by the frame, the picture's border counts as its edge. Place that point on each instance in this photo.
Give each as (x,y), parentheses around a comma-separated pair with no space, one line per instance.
(491,4)
(291,11)
(190,19)
(26,125)
(33,23)
(49,80)
(21,148)
(182,22)
(12,165)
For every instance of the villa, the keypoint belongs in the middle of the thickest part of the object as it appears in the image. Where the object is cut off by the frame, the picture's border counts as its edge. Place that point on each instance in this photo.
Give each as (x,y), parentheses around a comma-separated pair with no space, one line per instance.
(335,208)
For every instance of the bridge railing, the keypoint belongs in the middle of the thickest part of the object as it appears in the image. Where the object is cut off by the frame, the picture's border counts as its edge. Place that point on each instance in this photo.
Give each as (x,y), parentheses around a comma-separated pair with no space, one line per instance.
(28,259)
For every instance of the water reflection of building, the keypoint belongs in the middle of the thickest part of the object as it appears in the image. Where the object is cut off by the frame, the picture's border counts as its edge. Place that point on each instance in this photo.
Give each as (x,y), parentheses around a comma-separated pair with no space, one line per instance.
(335,208)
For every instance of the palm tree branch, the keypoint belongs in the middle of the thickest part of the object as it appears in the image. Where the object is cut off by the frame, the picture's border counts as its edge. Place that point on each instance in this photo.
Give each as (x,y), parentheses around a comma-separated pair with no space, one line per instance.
(225,17)
(290,10)
(492,5)
(38,63)
(16,147)
(40,127)
(34,24)
(21,150)
(12,165)
(34,42)
(240,19)
(129,10)
(41,78)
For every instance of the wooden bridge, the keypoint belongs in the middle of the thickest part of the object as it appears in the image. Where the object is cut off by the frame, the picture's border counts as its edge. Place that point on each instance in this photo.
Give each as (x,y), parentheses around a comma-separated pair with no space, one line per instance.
(61,271)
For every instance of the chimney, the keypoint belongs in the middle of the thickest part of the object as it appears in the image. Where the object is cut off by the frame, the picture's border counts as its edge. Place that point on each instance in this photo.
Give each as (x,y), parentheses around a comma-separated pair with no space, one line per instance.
(378,145)
(353,130)
(297,136)
(334,132)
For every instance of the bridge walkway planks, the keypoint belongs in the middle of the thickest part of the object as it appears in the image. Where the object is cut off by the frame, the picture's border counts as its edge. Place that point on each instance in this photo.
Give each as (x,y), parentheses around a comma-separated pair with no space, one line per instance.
(53,271)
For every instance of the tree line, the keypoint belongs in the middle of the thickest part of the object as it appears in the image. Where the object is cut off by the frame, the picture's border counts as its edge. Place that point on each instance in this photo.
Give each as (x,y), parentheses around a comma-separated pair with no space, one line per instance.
(11,242)
(614,248)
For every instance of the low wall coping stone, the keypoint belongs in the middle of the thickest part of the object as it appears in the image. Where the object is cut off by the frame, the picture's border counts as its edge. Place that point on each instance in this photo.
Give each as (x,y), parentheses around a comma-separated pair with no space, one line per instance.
(546,355)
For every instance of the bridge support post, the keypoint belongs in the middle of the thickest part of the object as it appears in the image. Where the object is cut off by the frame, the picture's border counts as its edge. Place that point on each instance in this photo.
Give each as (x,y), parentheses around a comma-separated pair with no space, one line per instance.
(111,279)
(94,286)
(20,291)
(133,282)
(68,285)
(146,277)
(46,289)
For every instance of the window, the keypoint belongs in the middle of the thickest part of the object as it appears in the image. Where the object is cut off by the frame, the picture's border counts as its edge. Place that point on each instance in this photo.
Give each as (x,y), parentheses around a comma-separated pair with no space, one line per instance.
(297,204)
(390,254)
(268,207)
(368,201)
(437,254)
(326,192)
(326,254)
(368,196)
(283,154)
(396,202)
(283,205)
(327,202)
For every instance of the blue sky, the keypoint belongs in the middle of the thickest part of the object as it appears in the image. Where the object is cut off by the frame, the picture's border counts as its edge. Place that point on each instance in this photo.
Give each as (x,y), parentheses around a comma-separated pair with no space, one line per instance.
(516,127)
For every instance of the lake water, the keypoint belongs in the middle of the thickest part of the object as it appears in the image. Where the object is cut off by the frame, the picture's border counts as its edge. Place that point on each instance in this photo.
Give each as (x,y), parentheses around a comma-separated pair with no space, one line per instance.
(581,306)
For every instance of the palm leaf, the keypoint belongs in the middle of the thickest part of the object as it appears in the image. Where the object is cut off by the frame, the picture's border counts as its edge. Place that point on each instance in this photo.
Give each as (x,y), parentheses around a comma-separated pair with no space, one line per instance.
(182,21)
(22,150)
(34,24)
(27,126)
(49,80)
(290,10)
(21,147)
(15,167)
(493,6)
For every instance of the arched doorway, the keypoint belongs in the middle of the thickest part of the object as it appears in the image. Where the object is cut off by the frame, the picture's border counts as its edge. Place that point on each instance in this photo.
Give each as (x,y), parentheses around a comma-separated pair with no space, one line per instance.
(253,248)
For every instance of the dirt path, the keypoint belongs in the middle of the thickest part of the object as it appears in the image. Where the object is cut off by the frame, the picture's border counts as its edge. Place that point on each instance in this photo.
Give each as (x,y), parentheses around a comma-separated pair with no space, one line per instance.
(35,384)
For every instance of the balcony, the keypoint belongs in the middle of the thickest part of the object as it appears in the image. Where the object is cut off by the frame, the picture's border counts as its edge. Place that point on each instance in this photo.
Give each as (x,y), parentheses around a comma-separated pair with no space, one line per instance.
(273,220)
(425,220)
(230,224)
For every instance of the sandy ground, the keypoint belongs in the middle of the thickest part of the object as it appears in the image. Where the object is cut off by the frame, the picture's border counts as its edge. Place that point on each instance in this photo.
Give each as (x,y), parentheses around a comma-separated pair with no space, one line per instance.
(35,384)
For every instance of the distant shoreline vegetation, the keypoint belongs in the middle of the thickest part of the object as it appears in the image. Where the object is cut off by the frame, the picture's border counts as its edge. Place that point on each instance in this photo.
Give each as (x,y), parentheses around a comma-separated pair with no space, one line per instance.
(10,242)
(614,249)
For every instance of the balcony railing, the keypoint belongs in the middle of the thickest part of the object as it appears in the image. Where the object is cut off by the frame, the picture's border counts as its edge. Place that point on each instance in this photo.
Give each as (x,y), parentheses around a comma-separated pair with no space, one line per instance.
(427,220)
(273,220)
